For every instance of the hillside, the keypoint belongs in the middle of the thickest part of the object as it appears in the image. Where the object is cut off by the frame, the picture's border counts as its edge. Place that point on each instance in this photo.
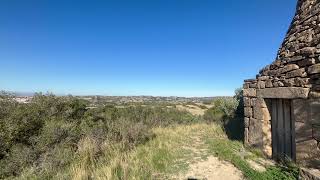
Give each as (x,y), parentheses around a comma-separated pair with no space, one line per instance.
(63,139)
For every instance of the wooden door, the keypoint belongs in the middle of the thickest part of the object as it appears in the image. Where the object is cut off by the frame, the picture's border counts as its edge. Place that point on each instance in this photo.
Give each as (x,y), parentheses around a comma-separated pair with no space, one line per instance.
(283,133)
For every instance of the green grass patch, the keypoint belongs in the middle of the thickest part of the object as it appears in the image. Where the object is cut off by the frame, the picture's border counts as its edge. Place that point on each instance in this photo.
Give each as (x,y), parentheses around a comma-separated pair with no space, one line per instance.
(229,151)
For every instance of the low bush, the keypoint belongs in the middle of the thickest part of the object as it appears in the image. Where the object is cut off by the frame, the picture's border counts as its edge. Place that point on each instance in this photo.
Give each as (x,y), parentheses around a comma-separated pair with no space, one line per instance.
(228,112)
(54,133)
(224,109)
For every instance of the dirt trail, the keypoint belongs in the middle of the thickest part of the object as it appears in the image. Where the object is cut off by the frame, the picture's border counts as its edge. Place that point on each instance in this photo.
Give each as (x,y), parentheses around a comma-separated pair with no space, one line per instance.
(203,167)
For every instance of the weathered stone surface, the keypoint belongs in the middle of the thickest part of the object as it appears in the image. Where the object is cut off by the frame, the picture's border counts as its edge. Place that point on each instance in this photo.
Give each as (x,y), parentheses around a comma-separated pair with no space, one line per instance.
(300,82)
(253,85)
(250,80)
(314,69)
(258,102)
(251,92)
(284,92)
(296,73)
(289,82)
(301,109)
(261,84)
(315,76)
(246,122)
(315,81)
(287,68)
(255,137)
(308,51)
(248,112)
(247,102)
(306,62)
(295,58)
(246,136)
(314,94)
(315,110)
(280,84)
(315,87)
(261,113)
(307,153)
(269,83)
(267,138)
(245,86)
(263,78)
(309,174)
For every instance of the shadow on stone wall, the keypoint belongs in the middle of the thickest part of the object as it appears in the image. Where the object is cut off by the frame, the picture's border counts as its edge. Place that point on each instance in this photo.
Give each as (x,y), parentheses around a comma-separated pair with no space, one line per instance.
(307,114)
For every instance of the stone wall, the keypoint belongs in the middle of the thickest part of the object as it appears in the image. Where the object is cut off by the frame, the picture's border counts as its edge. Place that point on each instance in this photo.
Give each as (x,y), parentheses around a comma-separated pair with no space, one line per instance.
(306,112)
(295,74)
(297,63)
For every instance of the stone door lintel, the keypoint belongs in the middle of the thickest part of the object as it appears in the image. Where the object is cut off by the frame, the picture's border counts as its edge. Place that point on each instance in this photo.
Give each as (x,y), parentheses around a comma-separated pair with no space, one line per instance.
(283,93)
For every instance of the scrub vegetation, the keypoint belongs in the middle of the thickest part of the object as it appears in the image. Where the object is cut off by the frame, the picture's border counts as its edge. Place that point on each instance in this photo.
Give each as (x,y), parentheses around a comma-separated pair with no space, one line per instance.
(60,138)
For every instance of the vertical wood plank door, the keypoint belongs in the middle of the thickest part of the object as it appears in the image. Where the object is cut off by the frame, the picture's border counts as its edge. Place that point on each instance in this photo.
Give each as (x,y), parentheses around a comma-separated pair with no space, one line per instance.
(282,125)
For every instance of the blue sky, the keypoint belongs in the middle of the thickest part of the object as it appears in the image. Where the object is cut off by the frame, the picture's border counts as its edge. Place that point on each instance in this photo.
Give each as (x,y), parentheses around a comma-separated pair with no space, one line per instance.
(138,47)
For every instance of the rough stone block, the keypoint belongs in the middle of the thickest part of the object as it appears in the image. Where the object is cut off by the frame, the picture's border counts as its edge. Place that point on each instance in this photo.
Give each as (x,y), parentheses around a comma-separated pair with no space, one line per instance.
(307,152)
(283,92)
(255,136)
(267,138)
(315,69)
(300,82)
(253,85)
(247,111)
(308,51)
(315,110)
(289,82)
(315,76)
(269,83)
(303,131)
(246,136)
(306,62)
(246,122)
(245,86)
(294,58)
(296,73)
(301,110)
(287,68)
(261,113)
(309,174)
(263,78)
(258,102)
(251,92)
(261,84)
(314,94)
(280,84)
(247,102)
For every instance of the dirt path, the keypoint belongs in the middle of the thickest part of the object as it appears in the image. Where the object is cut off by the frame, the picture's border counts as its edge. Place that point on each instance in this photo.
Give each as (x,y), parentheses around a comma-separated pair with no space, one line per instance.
(207,167)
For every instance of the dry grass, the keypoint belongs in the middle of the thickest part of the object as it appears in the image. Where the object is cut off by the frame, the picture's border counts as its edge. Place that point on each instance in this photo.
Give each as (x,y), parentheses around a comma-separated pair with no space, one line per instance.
(157,159)
(193,109)
(170,154)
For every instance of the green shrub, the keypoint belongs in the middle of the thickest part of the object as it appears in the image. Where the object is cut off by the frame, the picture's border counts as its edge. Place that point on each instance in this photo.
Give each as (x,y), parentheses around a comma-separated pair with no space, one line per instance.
(224,109)
(50,132)
(228,112)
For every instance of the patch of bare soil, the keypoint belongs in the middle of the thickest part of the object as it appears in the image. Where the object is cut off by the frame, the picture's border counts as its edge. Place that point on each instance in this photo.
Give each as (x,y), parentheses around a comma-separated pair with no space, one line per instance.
(212,168)
(208,168)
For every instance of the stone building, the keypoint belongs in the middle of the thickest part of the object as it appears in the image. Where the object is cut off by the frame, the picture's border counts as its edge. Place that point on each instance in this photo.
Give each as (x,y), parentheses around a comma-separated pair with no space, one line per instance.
(282,104)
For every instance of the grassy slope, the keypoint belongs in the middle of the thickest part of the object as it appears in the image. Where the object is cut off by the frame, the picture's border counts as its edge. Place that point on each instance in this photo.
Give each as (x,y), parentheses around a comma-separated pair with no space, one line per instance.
(168,154)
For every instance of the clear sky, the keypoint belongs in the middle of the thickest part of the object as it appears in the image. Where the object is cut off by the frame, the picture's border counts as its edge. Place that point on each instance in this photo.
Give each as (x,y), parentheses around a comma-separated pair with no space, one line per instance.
(138,47)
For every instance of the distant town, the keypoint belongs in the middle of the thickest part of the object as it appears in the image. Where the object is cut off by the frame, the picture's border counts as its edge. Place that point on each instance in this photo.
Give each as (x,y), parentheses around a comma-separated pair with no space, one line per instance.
(98,100)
